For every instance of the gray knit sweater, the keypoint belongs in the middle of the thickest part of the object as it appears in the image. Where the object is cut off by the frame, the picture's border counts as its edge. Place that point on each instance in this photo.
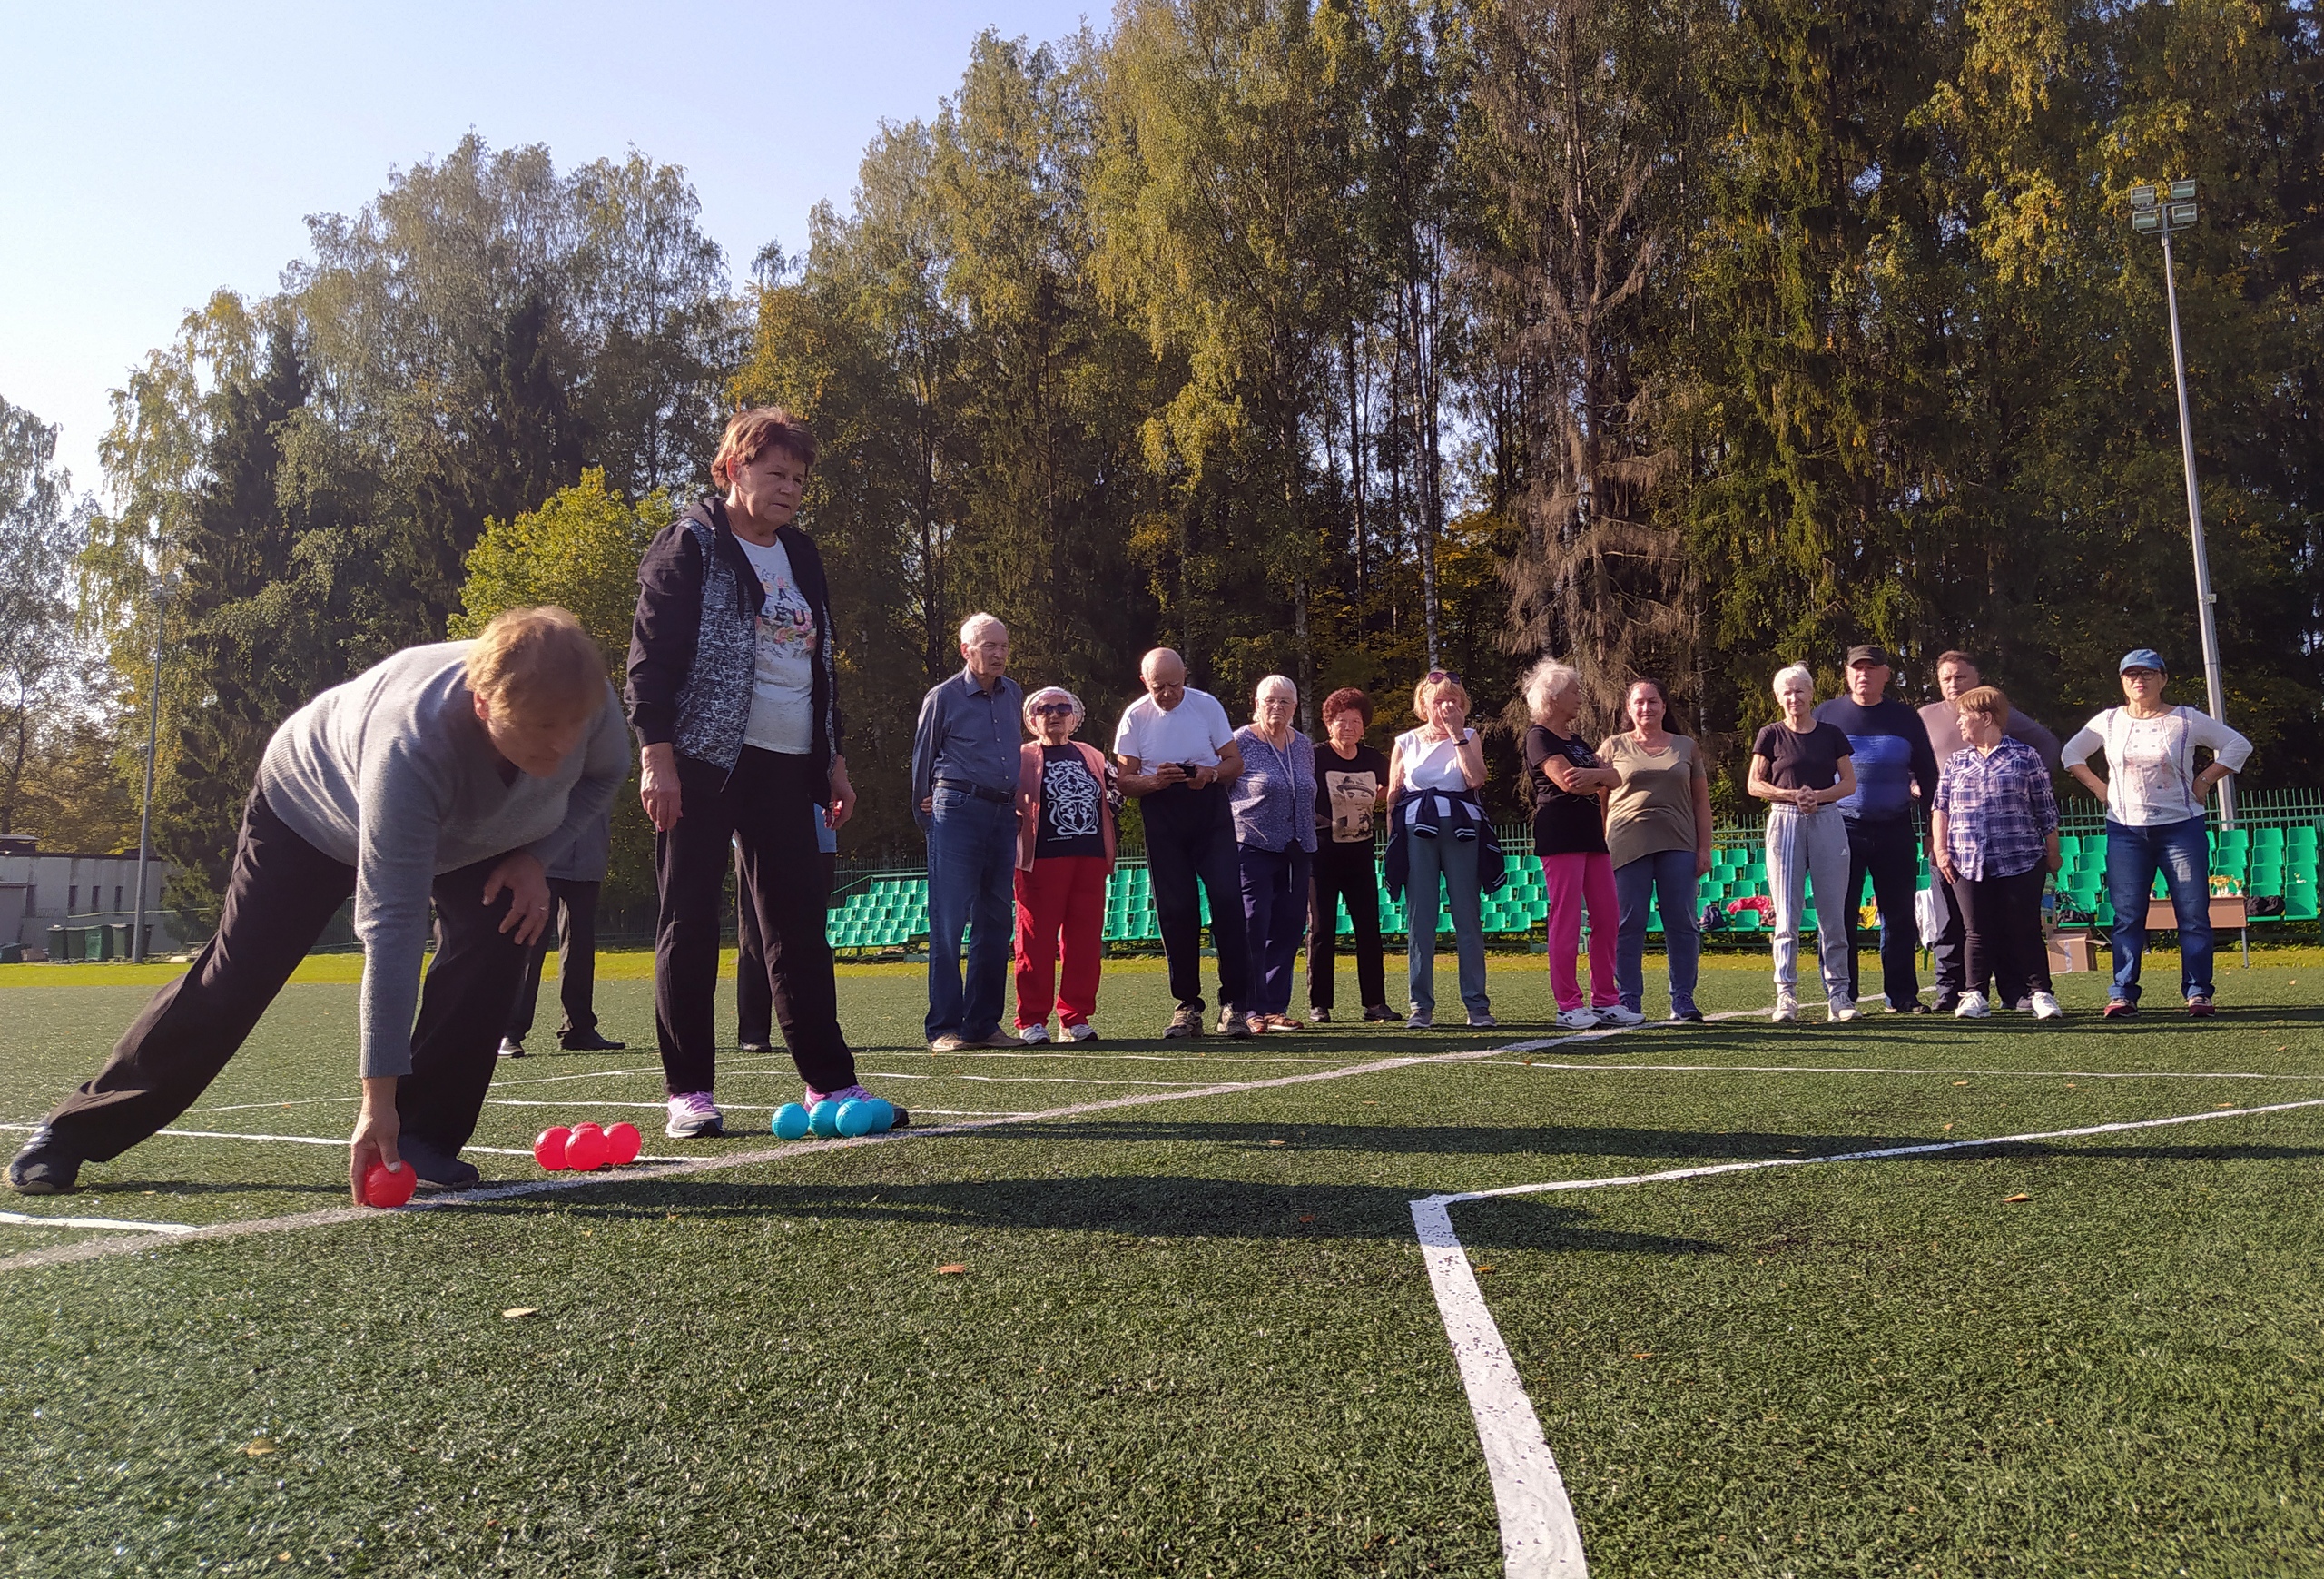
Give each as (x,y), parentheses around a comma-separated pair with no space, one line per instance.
(392,774)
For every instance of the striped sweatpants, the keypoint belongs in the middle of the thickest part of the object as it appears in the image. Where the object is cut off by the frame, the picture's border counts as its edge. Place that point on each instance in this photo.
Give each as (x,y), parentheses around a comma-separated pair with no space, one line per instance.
(1801,844)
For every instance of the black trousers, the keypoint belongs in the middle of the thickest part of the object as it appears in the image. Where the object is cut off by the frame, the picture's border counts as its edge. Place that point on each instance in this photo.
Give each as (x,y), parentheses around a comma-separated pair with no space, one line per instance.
(2003,919)
(762,806)
(282,893)
(754,997)
(576,961)
(1344,870)
(1190,842)
(1888,851)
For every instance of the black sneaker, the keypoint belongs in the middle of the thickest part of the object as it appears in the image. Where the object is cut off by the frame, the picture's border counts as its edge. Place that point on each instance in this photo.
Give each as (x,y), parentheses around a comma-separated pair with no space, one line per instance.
(1947,1002)
(748,1046)
(511,1047)
(1912,1006)
(434,1167)
(1379,1013)
(43,1167)
(588,1042)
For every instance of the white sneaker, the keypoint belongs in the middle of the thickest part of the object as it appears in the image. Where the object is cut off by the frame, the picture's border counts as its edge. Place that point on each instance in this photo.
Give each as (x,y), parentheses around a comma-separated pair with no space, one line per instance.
(1083,1031)
(1840,1010)
(1973,1006)
(1786,1006)
(1034,1035)
(1583,1019)
(693,1115)
(2046,1006)
(1621,1014)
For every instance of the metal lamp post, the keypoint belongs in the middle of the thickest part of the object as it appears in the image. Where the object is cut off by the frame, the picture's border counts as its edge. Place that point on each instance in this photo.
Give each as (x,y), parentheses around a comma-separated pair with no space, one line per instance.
(2160,215)
(163,586)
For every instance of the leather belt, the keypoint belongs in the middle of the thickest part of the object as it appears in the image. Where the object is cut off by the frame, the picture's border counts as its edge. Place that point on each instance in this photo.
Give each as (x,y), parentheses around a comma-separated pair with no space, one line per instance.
(1000,797)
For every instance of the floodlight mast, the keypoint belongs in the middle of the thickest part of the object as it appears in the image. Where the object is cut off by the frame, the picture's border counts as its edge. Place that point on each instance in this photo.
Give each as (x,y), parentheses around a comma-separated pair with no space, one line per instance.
(2149,217)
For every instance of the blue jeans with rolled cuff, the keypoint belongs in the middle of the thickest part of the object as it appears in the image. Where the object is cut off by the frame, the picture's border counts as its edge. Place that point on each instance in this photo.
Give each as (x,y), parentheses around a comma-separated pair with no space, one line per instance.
(2181,852)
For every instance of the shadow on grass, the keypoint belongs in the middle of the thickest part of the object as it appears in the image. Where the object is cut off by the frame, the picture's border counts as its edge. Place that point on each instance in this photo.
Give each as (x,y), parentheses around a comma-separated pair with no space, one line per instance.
(1140,1205)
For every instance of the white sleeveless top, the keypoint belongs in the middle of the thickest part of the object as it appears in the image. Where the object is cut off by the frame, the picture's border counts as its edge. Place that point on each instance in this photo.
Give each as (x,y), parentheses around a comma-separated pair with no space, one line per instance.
(1433,764)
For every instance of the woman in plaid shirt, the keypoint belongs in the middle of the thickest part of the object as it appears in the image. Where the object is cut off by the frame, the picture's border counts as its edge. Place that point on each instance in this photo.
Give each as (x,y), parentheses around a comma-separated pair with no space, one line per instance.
(1994,829)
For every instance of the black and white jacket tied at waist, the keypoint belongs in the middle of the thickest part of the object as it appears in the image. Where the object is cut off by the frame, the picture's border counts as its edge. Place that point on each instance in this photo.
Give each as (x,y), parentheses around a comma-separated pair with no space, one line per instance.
(1442,814)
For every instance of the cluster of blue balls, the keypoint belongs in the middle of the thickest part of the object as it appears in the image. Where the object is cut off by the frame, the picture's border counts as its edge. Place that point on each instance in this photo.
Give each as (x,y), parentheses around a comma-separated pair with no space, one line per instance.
(871,1116)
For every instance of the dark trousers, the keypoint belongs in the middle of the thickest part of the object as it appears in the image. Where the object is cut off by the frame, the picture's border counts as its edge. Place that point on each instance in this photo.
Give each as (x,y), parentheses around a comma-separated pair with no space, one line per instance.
(1344,871)
(1190,841)
(1950,954)
(764,803)
(1887,850)
(282,893)
(754,997)
(1274,916)
(577,963)
(2002,917)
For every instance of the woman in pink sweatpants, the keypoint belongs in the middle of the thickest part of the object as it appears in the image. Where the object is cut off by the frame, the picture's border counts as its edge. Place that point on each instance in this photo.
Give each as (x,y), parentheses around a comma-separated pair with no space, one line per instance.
(1568,784)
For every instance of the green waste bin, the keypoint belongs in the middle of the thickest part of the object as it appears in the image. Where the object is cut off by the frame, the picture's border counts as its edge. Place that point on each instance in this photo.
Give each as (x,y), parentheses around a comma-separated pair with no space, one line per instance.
(60,943)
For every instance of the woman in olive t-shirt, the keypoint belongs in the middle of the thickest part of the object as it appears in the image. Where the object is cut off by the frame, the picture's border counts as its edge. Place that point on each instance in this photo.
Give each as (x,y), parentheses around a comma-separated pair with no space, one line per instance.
(1658,831)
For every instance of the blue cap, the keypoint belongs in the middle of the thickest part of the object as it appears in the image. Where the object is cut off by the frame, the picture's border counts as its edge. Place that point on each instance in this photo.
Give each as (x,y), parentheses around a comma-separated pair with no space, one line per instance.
(2143,658)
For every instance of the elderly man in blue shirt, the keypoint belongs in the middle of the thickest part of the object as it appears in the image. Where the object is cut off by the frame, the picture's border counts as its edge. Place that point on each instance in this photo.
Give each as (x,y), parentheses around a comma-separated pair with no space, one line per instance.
(964,761)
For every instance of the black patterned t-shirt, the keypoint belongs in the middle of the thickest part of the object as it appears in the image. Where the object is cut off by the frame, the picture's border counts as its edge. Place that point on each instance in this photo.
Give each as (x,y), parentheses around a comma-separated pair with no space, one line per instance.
(1073,805)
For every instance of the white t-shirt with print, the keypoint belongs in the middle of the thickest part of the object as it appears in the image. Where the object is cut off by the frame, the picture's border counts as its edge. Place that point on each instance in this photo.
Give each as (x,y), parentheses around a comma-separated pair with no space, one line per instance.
(783,699)
(1192,732)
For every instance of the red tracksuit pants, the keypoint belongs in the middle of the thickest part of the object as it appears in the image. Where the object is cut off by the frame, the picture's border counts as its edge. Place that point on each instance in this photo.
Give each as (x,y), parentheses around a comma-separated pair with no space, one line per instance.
(1061,901)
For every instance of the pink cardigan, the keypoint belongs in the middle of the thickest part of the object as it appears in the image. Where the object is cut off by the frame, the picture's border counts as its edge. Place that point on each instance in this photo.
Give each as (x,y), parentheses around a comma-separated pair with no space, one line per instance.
(1029,800)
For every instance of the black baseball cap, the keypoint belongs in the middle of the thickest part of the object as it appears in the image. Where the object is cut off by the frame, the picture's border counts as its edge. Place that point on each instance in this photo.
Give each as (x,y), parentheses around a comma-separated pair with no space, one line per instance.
(1870,652)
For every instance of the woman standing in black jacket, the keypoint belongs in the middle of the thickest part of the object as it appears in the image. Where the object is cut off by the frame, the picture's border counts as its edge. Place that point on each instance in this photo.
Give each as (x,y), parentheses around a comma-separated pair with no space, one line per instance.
(732,691)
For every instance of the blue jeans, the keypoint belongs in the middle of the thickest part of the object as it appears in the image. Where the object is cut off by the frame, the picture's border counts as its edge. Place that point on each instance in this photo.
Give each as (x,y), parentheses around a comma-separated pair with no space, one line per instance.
(1670,874)
(2180,852)
(1274,917)
(1455,860)
(971,872)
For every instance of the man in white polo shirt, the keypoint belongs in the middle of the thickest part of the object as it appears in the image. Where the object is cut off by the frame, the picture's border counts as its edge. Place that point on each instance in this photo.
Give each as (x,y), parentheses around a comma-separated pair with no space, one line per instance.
(1178,757)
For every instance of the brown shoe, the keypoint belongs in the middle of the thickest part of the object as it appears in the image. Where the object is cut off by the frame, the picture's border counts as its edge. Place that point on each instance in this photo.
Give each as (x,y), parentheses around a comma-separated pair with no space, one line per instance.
(998,1039)
(1184,1022)
(950,1041)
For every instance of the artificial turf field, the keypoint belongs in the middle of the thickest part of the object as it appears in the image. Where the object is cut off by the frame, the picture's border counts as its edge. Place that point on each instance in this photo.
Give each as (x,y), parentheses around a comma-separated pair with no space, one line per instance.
(1195,1335)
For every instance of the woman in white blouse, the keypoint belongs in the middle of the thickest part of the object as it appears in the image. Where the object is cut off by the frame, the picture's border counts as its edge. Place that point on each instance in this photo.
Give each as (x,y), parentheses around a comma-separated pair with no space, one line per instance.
(2154,798)
(1443,754)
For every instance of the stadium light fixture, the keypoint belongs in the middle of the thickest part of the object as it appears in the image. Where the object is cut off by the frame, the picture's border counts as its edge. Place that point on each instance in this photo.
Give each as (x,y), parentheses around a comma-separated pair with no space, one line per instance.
(2161,213)
(163,586)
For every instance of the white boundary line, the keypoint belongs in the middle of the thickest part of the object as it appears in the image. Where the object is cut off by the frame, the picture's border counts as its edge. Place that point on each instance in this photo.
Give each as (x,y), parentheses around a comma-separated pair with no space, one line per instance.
(2077,1074)
(1538,1536)
(96,1249)
(27,1221)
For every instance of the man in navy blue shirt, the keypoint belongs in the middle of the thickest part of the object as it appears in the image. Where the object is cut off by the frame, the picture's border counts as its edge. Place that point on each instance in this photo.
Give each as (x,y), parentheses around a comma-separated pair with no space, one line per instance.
(1891,755)
(964,757)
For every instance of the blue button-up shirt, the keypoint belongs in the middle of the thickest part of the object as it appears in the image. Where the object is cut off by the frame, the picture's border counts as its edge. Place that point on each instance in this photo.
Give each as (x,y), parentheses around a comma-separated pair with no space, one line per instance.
(1999,810)
(1274,801)
(968,736)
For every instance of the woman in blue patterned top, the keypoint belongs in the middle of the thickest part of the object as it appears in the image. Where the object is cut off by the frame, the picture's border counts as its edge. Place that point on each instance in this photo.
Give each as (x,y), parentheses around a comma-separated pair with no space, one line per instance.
(1993,825)
(1274,838)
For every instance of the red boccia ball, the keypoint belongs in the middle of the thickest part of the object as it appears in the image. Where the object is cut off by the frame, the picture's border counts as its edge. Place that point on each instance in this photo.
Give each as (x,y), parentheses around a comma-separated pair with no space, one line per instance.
(548,1150)
(585,1152)
(384,1187)
(623,1143)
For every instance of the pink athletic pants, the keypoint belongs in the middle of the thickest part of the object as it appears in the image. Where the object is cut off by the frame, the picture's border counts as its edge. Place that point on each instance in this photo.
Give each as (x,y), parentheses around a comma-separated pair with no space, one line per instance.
(1573,882)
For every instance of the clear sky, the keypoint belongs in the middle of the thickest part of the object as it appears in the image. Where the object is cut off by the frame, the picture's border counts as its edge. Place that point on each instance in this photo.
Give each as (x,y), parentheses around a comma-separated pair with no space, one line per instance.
(151,153)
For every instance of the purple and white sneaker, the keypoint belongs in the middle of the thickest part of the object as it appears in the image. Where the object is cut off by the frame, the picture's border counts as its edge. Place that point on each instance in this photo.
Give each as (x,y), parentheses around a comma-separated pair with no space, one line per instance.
(694,1116)
(810,1096)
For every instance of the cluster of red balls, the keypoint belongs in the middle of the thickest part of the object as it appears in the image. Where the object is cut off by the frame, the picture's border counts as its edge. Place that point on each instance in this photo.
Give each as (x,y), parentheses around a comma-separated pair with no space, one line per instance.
(585,1147)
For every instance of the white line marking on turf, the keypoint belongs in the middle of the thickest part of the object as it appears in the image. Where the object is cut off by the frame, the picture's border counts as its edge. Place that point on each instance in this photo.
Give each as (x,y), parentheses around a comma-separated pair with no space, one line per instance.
(93,1249)
(93,1222)
(1539,1538)
(2081,1074)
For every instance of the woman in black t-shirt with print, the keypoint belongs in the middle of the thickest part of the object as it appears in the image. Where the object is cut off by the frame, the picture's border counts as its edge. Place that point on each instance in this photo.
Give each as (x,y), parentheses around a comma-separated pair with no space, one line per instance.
(1801,768)
(1065,852)
(1351,782)
(1569,784)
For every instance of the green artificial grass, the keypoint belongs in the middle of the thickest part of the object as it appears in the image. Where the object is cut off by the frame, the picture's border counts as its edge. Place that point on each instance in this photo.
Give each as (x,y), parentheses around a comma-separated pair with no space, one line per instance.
(1194,1337)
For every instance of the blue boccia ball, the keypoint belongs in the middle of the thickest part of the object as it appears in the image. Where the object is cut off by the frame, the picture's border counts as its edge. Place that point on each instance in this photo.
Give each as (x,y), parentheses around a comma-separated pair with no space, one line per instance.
(883,1115)
(790,1121)
(855,1118)
(824,1118)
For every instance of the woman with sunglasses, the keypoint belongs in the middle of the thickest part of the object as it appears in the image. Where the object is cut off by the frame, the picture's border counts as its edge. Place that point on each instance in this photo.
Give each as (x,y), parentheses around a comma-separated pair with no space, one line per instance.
(1065,797)
(1438,832)
(2155,816)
